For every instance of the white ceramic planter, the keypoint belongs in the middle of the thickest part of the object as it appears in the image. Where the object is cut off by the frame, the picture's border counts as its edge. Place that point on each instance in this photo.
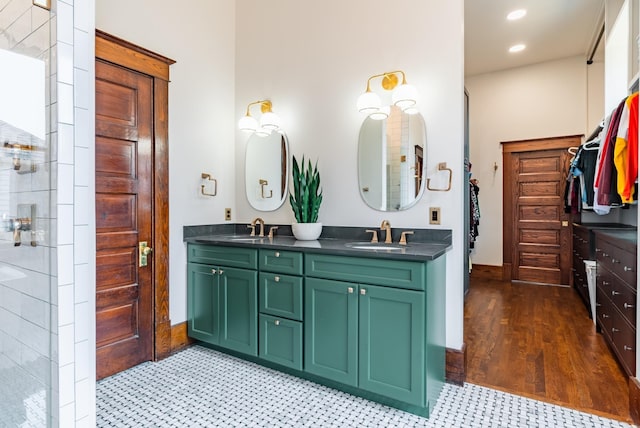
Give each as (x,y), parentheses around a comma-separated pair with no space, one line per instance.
(306,231)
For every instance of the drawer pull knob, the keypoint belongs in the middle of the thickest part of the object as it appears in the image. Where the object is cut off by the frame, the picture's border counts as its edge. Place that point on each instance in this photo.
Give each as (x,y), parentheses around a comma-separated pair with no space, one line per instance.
(628,269)
(363,291)
(605,283)
(605,316)
(628,306)
(614,330)
(598,250)
(276,279)
(614,260)
(605,254)
(220,271)
(614,292)
(350,290)
(627,348)
(277,322)
(277,254)
(214,271)
(600,304)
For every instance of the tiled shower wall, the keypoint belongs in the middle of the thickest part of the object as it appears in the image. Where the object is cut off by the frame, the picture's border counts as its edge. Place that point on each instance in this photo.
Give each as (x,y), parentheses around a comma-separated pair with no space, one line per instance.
(47,326)
(74,270)
(25,271)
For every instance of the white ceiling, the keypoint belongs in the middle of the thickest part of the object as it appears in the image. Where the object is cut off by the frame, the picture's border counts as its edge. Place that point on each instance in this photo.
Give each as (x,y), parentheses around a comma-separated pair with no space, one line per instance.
(552,29)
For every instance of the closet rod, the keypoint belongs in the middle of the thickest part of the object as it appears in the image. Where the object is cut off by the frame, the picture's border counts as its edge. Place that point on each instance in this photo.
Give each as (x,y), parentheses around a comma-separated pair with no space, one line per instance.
(595,47)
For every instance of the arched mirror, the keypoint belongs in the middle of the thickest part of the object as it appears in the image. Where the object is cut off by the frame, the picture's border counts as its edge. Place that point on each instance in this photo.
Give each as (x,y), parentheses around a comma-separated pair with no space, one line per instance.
(391,160)
(266,170)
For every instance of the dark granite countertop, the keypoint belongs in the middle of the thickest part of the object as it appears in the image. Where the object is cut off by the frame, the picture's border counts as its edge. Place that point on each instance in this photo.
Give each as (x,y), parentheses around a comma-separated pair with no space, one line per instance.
(424,244)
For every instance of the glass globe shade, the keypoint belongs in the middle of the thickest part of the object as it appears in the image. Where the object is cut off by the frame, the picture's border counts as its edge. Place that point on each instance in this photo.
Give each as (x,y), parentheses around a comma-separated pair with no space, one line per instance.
(404,96)
(248,123)
(411,110)
(368,102)
(263,132)
(270,120)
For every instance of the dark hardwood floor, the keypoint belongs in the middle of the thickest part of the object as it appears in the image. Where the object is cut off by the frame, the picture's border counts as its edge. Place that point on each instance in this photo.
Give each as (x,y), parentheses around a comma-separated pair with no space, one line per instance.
(538,342)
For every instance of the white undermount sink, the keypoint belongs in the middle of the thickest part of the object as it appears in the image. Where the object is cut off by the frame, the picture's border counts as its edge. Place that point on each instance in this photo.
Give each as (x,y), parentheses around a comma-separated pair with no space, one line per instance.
(374,246)
(245,238)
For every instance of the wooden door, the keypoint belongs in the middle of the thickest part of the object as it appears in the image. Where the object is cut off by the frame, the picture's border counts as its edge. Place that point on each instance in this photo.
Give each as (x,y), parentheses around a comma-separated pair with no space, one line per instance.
(124,173)
(537,230)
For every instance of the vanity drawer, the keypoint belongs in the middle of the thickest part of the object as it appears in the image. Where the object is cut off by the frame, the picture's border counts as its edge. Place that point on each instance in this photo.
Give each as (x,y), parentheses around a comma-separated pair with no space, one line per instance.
(289,262)
(246,258)
(281,295)
(281,341)
(390,273)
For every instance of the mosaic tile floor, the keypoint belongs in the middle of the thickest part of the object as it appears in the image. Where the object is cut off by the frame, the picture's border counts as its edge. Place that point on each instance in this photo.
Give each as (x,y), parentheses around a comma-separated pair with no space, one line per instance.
(199,387)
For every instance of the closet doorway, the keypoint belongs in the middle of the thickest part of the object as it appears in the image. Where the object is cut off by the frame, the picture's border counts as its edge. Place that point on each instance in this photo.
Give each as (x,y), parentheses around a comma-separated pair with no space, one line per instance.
(537,231)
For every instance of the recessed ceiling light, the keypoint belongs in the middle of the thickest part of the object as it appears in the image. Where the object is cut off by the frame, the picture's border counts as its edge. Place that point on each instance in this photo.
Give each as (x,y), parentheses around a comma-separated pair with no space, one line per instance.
(516,14)
(517,48)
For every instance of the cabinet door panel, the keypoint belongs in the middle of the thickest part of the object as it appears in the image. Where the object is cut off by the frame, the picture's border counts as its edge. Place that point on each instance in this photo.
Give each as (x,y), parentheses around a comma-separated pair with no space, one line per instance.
(281,341)
(331,330)
(392,343)
(203,317)
(239,310)
(281,295)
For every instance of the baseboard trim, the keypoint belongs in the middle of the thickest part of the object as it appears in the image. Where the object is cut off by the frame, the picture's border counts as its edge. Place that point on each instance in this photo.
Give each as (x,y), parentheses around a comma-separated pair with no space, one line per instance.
(456,365)
(486,272)
(179,337)
(506,271)
(634,400)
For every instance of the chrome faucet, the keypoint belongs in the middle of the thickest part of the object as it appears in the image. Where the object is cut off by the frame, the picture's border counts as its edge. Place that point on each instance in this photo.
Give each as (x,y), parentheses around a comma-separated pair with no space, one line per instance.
(386,226)
(256,221)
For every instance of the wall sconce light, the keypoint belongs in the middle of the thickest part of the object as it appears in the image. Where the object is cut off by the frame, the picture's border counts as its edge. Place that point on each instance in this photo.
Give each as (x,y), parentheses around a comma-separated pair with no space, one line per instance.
(403,96)
(269,121)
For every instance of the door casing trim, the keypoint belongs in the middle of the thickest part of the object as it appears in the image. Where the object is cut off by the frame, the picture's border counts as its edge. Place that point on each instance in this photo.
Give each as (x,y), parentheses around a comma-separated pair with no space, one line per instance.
(125,54)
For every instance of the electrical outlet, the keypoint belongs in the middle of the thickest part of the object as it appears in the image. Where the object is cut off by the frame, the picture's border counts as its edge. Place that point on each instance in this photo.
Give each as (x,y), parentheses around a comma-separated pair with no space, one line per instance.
(434,215)
(227,214)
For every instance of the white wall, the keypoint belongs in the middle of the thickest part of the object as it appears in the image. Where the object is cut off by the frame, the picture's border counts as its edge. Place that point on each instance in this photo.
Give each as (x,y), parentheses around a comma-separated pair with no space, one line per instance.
(312,59)
(543,100)
(200,38)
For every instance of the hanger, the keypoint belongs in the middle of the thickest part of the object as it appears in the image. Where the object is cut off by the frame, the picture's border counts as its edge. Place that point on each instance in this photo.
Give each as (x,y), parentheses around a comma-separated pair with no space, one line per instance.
(573,150)
(591,145)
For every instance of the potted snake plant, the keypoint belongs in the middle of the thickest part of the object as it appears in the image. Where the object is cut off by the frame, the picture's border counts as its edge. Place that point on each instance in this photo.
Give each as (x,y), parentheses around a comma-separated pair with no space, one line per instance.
(305,200)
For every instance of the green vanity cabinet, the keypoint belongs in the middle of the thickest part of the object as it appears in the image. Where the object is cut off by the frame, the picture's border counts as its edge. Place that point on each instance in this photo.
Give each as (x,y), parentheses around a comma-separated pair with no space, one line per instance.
(368,336)
(280,306)
(370,326)
(281,295)
(202,303)
(281,341)
(331,330)
(371,335)
(239,310)
(222,289)
(391,356)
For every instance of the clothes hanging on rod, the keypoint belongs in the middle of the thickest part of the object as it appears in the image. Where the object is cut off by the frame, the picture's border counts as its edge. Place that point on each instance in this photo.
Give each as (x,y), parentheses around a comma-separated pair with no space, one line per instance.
(616,173)
(579,187)
(474,206)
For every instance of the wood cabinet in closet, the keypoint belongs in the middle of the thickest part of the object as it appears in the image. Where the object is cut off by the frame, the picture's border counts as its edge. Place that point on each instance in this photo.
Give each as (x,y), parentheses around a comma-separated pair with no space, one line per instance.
(584,249)
(616,292)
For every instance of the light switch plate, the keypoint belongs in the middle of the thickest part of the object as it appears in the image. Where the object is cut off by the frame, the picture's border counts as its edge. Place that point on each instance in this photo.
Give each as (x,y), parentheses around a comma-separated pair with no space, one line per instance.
(434,215)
